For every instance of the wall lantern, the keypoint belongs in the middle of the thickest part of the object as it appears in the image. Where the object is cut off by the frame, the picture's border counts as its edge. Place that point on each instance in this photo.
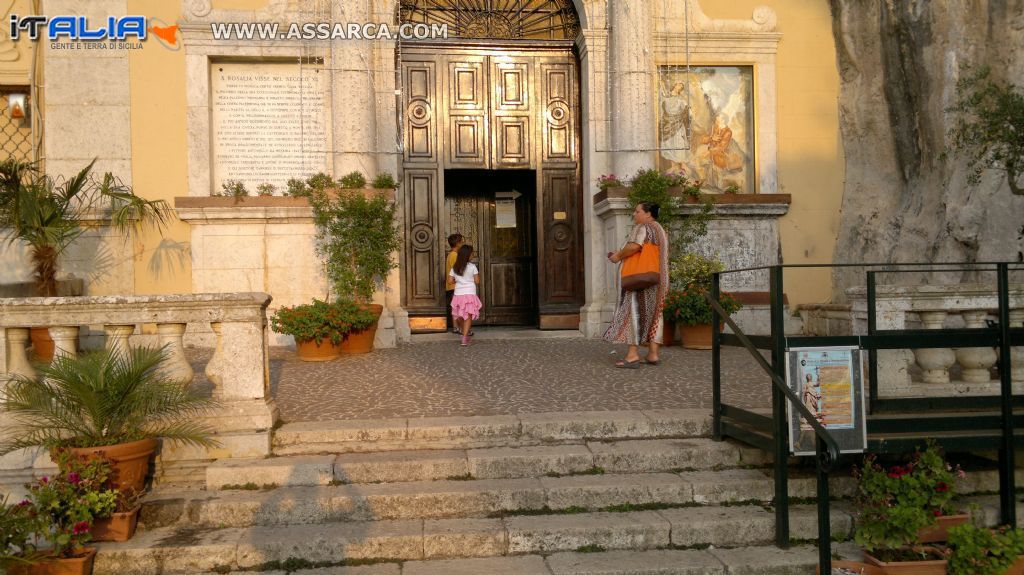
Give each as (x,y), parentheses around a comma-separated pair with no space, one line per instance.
(17,105)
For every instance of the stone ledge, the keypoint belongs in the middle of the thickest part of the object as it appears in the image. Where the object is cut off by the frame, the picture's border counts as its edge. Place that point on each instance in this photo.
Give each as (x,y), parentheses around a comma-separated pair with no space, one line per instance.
(124,309)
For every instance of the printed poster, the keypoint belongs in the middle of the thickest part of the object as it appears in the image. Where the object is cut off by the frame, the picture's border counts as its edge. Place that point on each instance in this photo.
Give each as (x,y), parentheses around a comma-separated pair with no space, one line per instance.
(828,382)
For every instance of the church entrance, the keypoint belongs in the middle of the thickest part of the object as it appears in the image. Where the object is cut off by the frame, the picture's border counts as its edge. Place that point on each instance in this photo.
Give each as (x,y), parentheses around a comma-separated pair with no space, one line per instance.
(491,150)
(494,210)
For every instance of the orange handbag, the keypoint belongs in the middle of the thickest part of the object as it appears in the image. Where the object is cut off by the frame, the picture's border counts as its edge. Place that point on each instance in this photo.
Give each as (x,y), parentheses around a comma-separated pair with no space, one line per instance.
(642,269)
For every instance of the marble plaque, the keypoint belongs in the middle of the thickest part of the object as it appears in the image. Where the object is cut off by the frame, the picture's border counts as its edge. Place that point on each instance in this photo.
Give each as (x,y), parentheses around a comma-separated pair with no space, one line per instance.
(268,123)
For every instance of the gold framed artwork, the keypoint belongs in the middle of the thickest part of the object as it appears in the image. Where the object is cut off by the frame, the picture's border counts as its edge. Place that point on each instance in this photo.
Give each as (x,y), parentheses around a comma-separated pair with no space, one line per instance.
(706,125)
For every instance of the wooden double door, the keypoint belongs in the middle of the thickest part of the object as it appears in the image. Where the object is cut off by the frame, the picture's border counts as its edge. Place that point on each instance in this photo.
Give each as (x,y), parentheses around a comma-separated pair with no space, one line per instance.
(479,123)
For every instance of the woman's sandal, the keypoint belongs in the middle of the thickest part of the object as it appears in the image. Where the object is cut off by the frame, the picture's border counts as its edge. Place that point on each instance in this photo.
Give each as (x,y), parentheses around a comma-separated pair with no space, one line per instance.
(651,361)
(628,364)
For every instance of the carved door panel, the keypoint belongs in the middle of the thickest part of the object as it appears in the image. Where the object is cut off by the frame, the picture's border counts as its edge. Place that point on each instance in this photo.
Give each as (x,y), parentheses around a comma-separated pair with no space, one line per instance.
(558,89)
(422,262)
(421,111)
(467,112)
(562,266)
(512,109)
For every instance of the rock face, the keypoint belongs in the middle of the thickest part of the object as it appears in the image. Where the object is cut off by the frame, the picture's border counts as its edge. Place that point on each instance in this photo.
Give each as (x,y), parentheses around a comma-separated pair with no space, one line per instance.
(906,199)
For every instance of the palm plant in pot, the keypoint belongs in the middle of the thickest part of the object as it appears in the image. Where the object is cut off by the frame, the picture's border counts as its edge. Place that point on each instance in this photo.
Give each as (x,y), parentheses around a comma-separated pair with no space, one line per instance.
(48,215)
(108,404)
(357,237)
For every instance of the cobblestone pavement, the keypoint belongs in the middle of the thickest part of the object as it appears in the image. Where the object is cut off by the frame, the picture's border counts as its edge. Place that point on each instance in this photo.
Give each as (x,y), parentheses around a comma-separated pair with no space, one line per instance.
(499,377)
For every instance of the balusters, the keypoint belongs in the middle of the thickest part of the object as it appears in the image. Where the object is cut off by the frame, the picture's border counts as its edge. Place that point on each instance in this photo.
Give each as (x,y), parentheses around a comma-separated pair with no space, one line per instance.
(935,363)
(976,361)
(17,356)
(176,366)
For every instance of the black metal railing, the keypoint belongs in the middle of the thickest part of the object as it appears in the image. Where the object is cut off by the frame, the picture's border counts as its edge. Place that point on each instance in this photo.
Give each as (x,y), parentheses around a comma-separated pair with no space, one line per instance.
(771,433)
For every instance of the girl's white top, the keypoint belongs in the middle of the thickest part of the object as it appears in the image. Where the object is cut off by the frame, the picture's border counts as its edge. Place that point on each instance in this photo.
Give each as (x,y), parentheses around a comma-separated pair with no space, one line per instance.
(464,284)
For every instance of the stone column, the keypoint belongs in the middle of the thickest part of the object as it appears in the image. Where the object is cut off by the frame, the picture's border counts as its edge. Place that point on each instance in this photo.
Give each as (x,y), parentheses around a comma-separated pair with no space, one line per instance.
(353,97)
(17,357)
(243,385)
(632,106)
(596,134)
(934,362)
(65,340)
(117,336)
(176,366)
(213,368)
(976,361)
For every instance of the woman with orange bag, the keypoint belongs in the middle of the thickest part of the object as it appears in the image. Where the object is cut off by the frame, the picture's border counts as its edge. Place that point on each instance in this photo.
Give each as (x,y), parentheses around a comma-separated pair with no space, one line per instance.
(638,317)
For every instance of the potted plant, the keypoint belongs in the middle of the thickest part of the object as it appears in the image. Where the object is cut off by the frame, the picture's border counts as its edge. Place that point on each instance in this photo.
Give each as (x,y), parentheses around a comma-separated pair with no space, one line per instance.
(111,404)
(65,506)
(685,304)
(896,505)
(357,237)
(48,216)
(120,523)
(18,526)
(320,328)
(976,550)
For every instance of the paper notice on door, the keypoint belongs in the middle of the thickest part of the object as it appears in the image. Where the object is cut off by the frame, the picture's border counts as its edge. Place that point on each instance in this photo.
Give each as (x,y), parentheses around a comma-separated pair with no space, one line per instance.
(505,213)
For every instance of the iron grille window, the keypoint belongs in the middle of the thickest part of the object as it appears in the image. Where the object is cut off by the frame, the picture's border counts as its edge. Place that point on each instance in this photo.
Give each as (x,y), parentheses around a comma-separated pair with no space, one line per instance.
(504,19)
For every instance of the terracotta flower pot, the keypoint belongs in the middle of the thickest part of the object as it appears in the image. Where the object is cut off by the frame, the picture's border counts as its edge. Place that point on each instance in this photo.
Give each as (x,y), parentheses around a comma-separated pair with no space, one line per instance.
(42,343)
(1017,568)
(925,567)
(129,462)
(117,527)
(81,565)
(938,532)
(697,336)
(668,333)
(362,341)
(310,350)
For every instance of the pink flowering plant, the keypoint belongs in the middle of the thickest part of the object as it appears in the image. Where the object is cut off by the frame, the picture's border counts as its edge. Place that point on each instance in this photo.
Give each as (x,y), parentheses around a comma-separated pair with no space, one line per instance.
(895,502)
(18,527)
(609,181)
(66,504)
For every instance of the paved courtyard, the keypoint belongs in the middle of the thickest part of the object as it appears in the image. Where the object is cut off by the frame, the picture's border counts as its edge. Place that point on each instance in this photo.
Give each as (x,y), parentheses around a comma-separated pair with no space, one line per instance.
(440,378)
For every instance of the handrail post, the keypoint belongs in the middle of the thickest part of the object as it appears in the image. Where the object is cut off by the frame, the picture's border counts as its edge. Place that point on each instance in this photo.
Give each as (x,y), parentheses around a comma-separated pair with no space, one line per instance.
(779,409)
(1007,465)
(716,362)
(824,519)
(872,353)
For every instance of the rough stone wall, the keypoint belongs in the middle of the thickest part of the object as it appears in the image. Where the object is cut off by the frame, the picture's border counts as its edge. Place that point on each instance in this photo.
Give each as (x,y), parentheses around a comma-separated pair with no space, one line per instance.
(906,197)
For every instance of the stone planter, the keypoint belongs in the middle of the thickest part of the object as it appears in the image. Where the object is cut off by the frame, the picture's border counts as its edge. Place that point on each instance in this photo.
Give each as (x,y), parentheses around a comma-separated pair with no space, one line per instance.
(117,527)
(81,565)
(310,350)
(129,462)
(938,532)
(925,567)
(362,341)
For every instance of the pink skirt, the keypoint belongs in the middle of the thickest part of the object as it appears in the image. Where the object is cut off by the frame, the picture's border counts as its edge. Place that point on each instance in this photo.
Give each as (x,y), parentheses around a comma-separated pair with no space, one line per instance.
(466,306)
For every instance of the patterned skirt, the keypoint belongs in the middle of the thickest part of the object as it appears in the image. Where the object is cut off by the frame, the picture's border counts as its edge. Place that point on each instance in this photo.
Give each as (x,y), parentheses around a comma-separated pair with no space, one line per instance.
(637,319)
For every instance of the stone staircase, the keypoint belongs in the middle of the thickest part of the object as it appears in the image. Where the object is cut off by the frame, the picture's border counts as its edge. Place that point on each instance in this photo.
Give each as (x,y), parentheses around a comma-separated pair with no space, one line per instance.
(610,493)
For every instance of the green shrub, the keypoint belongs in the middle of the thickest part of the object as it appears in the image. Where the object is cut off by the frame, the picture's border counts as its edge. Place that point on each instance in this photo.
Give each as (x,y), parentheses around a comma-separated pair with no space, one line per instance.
(234,189)
(319,182)
(383,181)
(320,320)
(265,190)
(352,181)
(297,188)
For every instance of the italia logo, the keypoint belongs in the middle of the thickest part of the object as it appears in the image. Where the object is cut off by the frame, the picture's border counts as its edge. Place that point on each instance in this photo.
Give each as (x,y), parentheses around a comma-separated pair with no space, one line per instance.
(79,28)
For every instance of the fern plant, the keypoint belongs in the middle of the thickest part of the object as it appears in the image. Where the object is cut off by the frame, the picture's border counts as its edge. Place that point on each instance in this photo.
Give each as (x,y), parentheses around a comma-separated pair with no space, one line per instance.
(103,397)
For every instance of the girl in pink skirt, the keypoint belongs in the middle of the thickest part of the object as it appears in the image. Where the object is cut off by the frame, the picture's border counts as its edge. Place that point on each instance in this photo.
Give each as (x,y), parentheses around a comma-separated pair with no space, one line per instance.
(465,303)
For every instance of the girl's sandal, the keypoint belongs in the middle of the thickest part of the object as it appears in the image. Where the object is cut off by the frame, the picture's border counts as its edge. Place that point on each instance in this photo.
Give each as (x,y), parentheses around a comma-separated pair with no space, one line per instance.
(628,364)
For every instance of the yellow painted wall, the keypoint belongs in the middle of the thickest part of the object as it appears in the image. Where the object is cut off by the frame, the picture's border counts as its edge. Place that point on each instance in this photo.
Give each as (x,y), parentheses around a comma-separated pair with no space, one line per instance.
(811,162)
(159,152)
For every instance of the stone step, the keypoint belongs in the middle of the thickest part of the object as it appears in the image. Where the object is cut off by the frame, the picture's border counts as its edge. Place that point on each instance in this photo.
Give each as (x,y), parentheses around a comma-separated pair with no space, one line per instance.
(191,549)
(745,560)
(356,436)
(627,456)
(459,498)
(487,497)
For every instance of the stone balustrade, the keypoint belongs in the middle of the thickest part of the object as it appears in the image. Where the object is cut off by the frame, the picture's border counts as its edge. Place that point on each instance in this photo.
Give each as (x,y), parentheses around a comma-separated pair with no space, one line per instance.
(939,371)
(239,368)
